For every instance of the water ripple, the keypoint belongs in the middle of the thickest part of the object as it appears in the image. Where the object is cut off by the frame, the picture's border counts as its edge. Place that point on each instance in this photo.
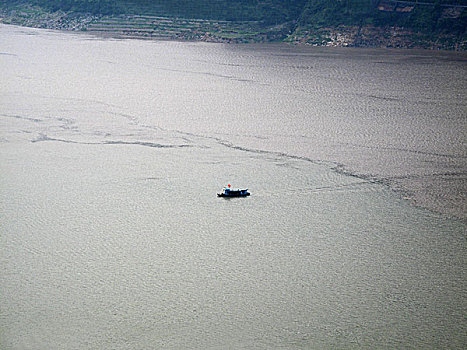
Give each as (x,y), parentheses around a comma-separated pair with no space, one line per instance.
(43,137)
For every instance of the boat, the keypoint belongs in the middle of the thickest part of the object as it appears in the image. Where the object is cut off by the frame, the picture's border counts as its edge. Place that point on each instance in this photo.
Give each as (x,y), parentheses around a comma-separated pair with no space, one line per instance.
(228,192)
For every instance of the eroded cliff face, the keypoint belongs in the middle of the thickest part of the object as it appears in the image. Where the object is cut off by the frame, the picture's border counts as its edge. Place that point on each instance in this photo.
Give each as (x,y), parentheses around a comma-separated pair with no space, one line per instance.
(372,36)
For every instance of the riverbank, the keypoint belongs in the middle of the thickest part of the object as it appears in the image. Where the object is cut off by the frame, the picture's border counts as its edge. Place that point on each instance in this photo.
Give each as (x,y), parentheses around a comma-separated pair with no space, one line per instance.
(170,28)
(370,36)
(147,26)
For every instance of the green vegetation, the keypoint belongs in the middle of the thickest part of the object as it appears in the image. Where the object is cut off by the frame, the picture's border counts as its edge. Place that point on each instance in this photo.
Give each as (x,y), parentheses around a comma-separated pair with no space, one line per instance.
(308,13)
(426,15)
(267,11)
(307,21)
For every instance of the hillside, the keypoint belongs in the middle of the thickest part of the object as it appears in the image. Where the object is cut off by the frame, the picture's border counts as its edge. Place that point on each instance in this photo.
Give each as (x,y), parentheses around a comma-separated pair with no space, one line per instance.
(393,23)
(435,24)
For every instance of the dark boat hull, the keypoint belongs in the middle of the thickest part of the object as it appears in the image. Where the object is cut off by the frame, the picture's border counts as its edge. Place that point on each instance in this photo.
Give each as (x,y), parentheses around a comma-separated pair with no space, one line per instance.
(230,194)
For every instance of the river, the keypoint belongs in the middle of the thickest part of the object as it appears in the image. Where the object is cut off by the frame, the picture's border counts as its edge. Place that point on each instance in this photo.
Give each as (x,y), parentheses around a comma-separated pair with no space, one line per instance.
(112,236)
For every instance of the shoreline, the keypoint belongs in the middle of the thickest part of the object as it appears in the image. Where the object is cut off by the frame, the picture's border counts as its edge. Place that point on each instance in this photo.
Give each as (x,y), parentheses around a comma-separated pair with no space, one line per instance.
(185,29)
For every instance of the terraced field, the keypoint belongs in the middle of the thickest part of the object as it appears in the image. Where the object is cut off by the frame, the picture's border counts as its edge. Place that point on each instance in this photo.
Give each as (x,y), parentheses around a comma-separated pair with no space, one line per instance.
(139,26)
